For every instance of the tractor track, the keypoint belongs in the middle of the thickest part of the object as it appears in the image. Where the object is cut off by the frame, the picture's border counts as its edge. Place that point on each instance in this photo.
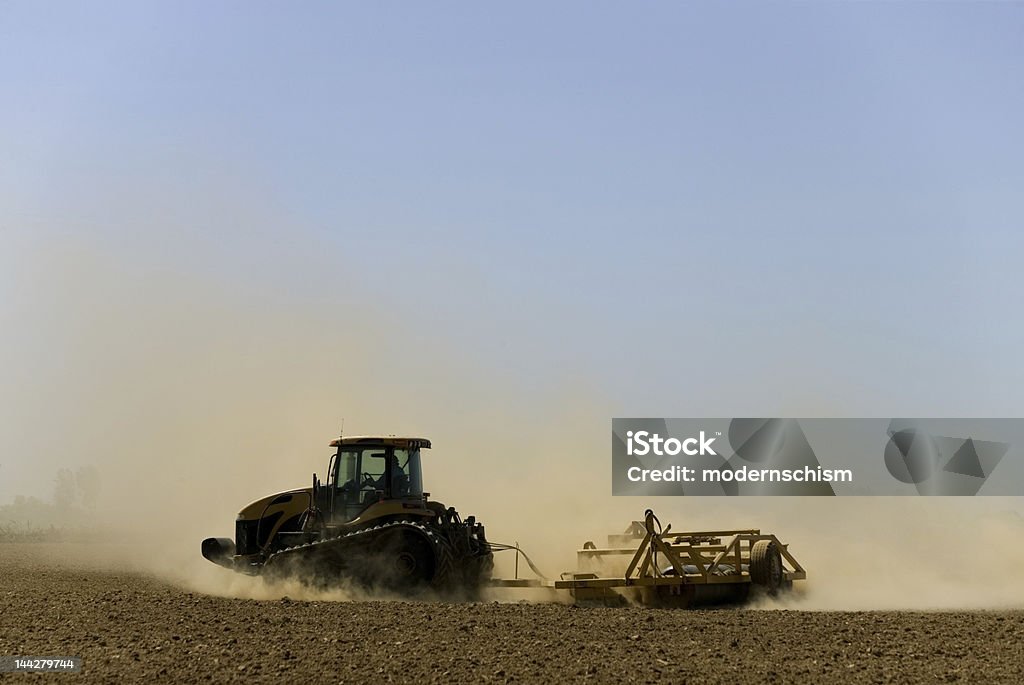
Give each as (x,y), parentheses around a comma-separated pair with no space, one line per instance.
(450,564)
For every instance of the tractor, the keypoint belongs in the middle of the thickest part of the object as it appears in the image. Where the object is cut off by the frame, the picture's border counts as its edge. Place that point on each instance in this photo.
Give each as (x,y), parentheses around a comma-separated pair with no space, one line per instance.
(370,525)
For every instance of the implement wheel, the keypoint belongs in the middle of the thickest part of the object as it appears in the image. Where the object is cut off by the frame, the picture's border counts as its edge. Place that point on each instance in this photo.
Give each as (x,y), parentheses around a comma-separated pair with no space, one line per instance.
(766,566)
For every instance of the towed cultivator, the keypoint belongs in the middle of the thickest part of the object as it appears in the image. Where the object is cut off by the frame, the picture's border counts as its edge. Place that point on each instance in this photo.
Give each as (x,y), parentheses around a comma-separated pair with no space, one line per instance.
(678,569)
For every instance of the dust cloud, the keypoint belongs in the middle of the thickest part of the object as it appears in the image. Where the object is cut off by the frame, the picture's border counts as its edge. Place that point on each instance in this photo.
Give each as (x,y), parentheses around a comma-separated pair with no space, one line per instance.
(193,396)
(905,553)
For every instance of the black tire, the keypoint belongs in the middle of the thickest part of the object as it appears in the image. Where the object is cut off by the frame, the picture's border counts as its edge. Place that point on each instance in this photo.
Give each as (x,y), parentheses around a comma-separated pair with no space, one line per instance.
(461,574)
(766,566)
(447,576)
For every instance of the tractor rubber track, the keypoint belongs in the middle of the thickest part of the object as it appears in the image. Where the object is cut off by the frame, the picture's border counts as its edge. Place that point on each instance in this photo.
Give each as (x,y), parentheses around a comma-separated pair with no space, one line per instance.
(337,558)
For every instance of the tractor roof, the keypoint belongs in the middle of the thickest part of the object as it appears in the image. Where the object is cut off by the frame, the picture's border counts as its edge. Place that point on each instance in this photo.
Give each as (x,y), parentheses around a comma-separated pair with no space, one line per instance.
(388,440)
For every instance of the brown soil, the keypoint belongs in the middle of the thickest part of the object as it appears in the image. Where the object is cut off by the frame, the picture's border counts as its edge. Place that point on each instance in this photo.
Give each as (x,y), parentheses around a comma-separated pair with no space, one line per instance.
(129,627)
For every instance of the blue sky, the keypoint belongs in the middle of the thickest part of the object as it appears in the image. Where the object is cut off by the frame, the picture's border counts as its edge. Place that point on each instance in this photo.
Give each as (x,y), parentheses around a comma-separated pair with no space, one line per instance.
(684,209)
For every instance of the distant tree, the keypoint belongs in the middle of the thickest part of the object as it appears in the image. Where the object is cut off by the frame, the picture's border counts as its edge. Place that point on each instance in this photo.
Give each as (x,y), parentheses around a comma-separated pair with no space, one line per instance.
(65,490)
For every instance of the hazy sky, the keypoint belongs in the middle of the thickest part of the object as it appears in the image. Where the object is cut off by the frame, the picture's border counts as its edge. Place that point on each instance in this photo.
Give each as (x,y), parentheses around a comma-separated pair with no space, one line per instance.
(677,208)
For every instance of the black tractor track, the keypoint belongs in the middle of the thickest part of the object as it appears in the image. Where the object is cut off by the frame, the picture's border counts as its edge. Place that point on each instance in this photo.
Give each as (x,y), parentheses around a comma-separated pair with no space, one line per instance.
(403,556)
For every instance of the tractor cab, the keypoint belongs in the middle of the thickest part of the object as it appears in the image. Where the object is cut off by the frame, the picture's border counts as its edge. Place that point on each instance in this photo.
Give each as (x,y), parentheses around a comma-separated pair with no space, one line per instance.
(366,470)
